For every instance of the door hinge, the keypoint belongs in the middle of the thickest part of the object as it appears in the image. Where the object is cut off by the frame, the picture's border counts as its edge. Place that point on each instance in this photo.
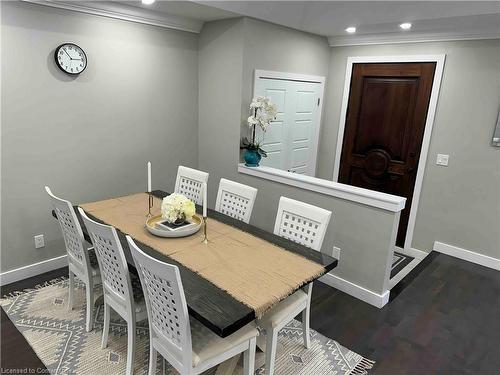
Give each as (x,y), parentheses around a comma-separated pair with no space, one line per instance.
(318,101)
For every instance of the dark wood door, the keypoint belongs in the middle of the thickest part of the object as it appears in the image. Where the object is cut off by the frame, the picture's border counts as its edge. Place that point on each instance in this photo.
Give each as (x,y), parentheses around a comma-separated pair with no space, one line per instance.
(384,128)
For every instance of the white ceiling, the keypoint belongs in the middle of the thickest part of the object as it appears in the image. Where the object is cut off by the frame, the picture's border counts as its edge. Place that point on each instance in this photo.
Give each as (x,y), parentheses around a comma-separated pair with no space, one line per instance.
(187,9)
(376,21)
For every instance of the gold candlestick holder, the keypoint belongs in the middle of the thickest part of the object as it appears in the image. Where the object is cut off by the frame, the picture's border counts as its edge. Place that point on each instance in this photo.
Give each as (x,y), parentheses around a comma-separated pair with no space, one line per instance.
(150,204)
(205,239)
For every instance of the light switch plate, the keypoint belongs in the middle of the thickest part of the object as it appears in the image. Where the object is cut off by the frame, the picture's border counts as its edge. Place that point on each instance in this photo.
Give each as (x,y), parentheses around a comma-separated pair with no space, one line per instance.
(442,159)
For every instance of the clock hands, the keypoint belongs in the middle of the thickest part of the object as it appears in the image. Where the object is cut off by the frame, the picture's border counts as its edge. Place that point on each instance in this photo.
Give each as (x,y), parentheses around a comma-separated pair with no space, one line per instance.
(70,56)
(66,52)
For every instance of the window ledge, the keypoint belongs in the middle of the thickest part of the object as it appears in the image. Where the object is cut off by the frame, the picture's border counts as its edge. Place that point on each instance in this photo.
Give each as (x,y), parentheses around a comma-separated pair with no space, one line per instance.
(367,197)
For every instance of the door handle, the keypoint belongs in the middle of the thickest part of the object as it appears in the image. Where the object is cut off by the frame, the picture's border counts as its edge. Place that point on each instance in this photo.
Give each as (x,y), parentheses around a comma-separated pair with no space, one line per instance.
(409,170)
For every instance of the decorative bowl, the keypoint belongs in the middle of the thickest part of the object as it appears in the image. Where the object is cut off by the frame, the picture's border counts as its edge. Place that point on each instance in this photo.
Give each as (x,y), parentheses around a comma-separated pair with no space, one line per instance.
(162,231)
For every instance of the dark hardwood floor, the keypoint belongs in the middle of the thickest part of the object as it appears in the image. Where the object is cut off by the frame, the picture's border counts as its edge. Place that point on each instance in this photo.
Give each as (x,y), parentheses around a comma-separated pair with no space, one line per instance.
(445,321)
(15,352)
(443,318)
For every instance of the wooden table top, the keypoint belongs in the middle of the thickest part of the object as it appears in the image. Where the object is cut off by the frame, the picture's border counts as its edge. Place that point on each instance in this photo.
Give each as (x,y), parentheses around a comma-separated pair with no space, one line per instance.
(213,307)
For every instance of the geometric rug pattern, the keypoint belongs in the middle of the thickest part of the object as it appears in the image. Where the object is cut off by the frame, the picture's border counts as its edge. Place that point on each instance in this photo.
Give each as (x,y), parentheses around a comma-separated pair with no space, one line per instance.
(59,339)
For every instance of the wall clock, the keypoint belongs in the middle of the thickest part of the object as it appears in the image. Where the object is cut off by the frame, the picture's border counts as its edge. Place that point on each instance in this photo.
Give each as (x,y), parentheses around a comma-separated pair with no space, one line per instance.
(70,58)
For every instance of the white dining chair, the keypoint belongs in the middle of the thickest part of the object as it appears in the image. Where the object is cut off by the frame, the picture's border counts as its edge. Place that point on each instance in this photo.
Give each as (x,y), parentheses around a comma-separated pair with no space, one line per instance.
(305,224)
(82,261)
(189,182)
(235,199)
(122,291)
(189,346)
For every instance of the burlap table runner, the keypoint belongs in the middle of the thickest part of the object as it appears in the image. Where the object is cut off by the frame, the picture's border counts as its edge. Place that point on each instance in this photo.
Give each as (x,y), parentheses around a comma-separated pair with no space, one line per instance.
(252,270)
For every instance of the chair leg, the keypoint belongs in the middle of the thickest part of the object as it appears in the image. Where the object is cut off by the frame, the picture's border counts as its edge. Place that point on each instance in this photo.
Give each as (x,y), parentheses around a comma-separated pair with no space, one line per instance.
(153,358)
(105,330)
(305,327)
(271,344)
(90,307)
(249,358)
(71,281)
(130,346)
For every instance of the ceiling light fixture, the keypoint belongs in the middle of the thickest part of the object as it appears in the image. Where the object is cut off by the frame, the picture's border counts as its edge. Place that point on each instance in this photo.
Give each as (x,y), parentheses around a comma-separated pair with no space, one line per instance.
(405,26)
(351,30)
(148,2)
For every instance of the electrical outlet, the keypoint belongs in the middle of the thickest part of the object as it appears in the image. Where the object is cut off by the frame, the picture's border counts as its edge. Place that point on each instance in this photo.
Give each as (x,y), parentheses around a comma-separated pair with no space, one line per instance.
(442,159)
(39,241)
(336,252)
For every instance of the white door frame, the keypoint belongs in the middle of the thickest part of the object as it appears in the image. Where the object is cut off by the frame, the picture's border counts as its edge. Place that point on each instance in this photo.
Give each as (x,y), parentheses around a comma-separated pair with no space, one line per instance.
(270,74)
(439,60)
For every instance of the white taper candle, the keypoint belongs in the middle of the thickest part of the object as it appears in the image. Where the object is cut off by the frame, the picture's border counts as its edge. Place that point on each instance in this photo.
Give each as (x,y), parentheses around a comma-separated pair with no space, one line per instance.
(149,177)
(205,202)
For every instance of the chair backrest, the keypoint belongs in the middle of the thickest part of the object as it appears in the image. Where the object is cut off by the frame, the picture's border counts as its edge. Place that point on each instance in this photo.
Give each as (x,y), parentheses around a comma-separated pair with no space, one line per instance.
(301,222)
(235,199)
(72,233)
(167,308)
(189,182)
(112,262)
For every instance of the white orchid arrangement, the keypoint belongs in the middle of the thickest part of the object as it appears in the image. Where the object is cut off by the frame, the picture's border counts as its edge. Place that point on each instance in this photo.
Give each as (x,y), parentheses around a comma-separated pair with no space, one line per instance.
(176,207)
(263,112)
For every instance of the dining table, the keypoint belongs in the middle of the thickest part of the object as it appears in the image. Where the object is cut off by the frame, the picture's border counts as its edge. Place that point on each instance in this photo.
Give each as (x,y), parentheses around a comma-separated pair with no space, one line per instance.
(216,308)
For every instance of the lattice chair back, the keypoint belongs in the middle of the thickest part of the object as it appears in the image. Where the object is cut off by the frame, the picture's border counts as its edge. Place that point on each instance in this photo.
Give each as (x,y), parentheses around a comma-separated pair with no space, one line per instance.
(72,234)
(301,222)
(235,200)
(189,182)
(112,263)
(167,308)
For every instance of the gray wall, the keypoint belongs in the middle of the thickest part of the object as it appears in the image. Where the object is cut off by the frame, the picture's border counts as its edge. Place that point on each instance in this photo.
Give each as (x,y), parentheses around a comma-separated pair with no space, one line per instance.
(459,204)
(229,51)
(88,137)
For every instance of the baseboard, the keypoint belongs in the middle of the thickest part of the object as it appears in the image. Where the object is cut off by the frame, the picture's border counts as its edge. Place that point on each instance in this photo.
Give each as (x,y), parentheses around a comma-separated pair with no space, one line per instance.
(415,253)
(470,256)
(31,270)
(375,299)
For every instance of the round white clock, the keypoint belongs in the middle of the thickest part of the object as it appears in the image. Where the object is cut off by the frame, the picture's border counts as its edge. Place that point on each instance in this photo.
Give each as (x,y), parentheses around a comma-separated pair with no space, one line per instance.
(70,58)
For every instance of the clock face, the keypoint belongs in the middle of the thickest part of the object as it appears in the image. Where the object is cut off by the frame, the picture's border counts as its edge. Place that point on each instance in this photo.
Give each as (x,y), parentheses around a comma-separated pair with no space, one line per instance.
(70,58)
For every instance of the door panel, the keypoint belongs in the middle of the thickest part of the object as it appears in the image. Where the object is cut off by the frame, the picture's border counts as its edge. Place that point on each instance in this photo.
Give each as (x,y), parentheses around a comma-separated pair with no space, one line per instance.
(384,129)
(291,147)
(274,140)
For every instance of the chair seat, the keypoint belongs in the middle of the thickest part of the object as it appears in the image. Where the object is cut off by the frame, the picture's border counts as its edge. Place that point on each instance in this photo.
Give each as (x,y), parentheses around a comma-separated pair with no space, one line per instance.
(282,310)
(207,344)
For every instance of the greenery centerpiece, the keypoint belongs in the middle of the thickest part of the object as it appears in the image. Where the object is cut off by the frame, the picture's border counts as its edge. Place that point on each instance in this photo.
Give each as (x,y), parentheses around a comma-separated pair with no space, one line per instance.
(176,209)
(263,112)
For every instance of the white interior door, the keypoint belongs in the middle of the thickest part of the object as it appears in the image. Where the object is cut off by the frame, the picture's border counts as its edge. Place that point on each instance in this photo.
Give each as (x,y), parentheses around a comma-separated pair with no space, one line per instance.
(292,140)
(274,140)
(304,123)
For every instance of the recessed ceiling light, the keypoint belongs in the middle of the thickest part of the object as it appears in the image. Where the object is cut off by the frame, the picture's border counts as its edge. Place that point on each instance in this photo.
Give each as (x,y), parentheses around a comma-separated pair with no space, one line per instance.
(148,2)
(405,26)
(351,30)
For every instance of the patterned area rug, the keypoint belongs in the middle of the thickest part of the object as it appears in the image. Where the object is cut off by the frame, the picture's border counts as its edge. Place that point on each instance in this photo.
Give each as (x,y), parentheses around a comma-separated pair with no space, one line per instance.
(59,339)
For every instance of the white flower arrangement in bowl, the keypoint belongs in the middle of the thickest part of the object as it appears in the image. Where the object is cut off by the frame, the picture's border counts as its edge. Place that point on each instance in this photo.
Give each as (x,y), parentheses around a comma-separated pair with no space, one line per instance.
(176,208)
(263,113)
